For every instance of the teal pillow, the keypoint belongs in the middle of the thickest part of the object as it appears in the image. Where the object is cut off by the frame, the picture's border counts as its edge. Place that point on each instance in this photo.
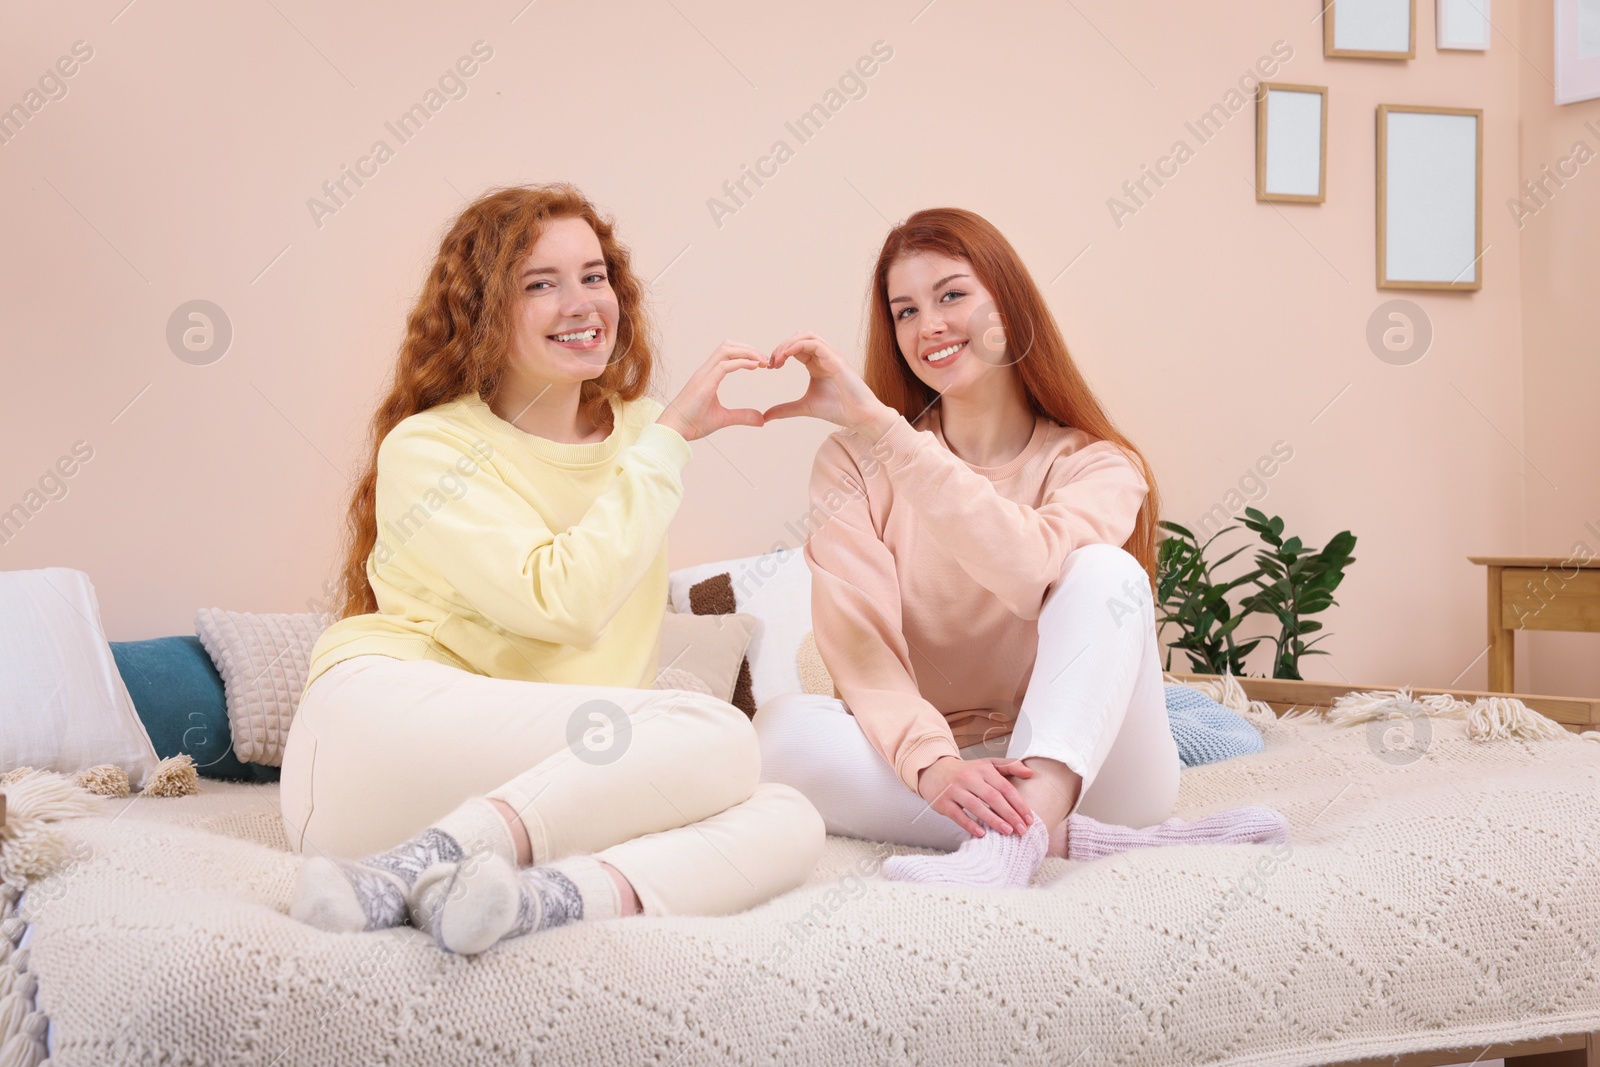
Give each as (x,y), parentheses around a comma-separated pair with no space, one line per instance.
(179,696)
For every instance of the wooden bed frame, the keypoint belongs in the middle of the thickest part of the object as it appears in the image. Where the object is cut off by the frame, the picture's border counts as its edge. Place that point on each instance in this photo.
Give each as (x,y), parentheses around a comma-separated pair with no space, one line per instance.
(1576,714)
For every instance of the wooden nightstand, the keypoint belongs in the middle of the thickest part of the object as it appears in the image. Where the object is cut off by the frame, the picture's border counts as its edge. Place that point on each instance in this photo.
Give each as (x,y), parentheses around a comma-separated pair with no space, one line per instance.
(1536,593)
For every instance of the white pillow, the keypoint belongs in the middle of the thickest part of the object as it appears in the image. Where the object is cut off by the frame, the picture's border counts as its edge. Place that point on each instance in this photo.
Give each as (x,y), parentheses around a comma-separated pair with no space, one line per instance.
(776,589)
(63,704)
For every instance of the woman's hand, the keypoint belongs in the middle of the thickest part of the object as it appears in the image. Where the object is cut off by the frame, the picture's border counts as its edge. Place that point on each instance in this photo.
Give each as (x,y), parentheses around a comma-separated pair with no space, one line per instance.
(836,392)
(696,412)
(953,787)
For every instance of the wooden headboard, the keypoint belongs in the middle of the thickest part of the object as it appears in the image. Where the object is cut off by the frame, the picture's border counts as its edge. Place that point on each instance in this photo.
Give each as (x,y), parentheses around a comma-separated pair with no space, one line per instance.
(1575,713)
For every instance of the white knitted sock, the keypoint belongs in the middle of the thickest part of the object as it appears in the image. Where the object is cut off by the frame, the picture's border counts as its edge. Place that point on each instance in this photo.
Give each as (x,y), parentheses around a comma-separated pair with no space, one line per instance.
(472,905)
(1088,839)
(374,893)
(993,861)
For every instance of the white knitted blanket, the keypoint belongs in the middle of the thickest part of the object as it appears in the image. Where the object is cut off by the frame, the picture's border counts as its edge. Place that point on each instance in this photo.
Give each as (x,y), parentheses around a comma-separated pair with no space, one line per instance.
(1444,903)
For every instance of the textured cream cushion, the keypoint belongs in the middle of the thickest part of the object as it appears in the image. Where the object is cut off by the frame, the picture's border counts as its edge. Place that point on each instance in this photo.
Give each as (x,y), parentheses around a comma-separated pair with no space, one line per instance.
(264,661)
(63,705)
(710,647)
(776,589)
(673,678)
(813,672)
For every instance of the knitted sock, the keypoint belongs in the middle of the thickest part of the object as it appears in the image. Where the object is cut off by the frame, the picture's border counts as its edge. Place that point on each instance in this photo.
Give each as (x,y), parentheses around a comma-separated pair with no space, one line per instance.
(1088,839)
(993,861)
(472,905)
(371,894)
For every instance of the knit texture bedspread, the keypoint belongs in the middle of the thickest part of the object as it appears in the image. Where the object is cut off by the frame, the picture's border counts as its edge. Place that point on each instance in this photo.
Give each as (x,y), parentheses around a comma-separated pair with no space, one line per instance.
(1440,901)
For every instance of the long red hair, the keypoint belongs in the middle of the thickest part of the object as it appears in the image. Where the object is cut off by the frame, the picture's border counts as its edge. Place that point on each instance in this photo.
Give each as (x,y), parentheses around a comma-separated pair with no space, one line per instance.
(1055,387)
(458,337)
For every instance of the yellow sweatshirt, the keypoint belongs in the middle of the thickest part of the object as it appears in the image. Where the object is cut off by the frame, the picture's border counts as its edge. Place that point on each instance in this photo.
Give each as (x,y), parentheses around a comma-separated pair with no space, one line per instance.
(513,556)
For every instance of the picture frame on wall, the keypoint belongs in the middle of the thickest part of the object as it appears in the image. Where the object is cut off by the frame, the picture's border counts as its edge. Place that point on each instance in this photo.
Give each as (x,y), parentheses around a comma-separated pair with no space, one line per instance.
(1291,142)
(1370,29)
(1462,25)
(1430,197)
(1577,50)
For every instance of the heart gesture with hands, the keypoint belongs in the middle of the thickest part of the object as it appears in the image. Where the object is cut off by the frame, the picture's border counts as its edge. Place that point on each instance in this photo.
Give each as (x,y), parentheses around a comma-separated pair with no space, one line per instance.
(835,392)
(697,411)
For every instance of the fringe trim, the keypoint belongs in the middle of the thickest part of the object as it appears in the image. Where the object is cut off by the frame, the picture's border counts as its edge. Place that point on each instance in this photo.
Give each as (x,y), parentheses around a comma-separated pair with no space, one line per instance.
(1227,691)
(22,1027)
(1489,718)
(30,849)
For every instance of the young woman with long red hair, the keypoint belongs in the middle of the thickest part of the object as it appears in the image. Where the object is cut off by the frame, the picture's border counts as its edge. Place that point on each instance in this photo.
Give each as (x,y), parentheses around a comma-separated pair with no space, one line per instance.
(982,564)
(482,710)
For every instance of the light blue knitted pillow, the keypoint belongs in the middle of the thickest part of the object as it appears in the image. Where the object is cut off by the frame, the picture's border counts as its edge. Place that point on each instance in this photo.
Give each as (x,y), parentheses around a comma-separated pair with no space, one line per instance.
(1205,730)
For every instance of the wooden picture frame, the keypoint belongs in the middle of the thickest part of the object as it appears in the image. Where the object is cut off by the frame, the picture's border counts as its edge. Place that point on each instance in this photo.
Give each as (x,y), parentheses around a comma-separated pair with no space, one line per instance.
(1282,167)
(1462,26)
(1430,193)
(1577,50)
(1369,29)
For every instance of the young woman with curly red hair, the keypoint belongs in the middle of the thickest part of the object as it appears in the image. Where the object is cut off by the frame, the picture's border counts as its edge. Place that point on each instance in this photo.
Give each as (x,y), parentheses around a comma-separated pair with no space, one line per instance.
(982,564)
(482,711)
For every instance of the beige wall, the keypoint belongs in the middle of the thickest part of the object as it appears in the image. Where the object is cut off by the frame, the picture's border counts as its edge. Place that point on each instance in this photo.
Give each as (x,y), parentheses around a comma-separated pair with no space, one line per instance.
(179,165)
(1560,252)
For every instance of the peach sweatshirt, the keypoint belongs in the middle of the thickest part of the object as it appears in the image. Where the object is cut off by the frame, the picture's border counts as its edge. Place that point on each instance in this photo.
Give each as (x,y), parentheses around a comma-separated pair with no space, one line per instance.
(928,574)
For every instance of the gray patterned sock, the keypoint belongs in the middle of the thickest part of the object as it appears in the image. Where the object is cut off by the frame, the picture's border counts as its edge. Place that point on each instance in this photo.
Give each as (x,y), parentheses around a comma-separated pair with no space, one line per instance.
(547,899)
(374,893)
(472,905)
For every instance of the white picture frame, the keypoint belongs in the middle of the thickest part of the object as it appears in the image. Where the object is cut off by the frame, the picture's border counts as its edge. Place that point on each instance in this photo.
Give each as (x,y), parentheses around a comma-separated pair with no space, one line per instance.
(1462,25)
(1291,143)
(1577,50)
(1430,197)
(1369,29)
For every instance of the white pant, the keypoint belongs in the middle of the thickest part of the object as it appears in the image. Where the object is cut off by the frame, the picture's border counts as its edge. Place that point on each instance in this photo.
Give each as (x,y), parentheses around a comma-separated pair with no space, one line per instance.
(1095,702)
(660,784)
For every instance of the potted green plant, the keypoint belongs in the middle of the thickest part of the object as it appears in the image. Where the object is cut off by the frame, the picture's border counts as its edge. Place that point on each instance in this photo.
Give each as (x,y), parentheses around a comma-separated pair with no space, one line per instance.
(1196,601)
(1291,581)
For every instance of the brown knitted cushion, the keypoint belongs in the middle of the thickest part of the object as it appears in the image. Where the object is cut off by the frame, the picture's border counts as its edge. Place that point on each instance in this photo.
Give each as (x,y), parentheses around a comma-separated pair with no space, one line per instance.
(714,596)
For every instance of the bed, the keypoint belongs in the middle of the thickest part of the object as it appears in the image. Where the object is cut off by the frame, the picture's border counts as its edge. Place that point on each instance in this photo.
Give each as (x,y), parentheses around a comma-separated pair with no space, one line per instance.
(1434,909)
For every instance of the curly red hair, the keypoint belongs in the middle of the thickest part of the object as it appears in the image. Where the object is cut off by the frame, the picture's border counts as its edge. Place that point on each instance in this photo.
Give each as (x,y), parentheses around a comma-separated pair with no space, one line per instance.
(458,337)
(1055,387)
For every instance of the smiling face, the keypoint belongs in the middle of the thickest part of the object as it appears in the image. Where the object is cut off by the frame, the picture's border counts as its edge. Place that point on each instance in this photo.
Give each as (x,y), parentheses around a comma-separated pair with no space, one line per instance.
(945,322)
(565,312)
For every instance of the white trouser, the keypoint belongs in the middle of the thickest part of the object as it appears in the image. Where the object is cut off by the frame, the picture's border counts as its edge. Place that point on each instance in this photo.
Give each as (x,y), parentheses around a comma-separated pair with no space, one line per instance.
(1095,702)
(660,784)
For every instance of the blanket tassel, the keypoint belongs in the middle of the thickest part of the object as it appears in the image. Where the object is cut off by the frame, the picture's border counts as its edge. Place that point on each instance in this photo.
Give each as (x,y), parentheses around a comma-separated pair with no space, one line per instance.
(30,849)
(1227,691)
(22,1029)
(1488,718)
(174,776)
